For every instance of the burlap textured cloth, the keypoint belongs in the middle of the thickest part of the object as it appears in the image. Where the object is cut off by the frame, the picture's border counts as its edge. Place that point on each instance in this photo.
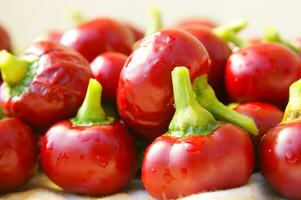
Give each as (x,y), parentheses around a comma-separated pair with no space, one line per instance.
(41,188)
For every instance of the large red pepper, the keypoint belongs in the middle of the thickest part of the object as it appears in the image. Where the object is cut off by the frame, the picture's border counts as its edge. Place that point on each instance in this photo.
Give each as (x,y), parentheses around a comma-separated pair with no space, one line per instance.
(198,153)
(97,155)
(144,94)
(18,153)
(46,84)
(97,36)
(280,149)
(5,42)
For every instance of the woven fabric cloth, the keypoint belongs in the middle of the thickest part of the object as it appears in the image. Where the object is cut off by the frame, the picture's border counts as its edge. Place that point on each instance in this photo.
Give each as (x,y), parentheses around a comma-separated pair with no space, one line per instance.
(40,188)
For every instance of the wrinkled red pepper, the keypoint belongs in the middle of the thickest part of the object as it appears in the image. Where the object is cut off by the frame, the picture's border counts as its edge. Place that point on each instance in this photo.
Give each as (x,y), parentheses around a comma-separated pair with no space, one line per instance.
(50,86)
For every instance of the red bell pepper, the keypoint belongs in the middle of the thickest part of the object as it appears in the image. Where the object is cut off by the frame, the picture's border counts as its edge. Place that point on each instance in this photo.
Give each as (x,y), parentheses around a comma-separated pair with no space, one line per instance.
(197,153)
(97,155)
(45,85)
(144,94)
(280,149)
(18,153)
(97,36)
(5,43)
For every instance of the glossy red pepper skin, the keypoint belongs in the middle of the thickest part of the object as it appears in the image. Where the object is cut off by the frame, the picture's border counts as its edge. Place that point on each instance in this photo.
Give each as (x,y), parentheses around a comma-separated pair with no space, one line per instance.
(175,167)
(262,72)
(138,34)
(18,153)
(5,42)
(57,90)
(280,156)
(106,69)
(144,94)
(52,35)
(200,22)
(97,36)
(254,40)
(218,51)
(265,116)
(104,156)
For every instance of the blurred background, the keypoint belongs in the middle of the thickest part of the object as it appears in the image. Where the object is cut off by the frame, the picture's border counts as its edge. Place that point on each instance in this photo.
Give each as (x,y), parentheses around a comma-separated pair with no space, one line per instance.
(26,19)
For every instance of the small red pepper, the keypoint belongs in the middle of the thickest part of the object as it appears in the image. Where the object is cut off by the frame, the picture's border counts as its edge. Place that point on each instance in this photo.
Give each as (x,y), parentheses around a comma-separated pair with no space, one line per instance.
(262,72)
(138,34)
(51,35)
(97,155)
(18,153)
(45,85)
(218,51)
(144,94)
(280,149)
(266,116)
(198,153)
(199,22)
(97,36)
(106,69)
(5,43)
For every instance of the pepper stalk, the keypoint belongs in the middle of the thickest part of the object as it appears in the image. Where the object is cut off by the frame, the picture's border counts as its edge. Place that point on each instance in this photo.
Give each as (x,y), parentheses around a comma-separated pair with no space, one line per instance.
(13,69)
(189,118)
(293,109)
(207,99)
(91,111)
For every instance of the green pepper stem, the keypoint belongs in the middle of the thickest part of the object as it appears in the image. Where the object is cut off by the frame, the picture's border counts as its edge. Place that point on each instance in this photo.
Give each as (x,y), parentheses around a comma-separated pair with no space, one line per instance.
(293,108)
(154,23)
(271,34)
(76,16)
(207,99)
(190,118)
(91,111)
(233,105)
(228,32)
(1,114)
(13,69)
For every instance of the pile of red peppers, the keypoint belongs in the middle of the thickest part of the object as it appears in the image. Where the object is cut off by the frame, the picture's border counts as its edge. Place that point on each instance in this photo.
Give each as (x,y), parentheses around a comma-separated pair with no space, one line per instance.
(103,102)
